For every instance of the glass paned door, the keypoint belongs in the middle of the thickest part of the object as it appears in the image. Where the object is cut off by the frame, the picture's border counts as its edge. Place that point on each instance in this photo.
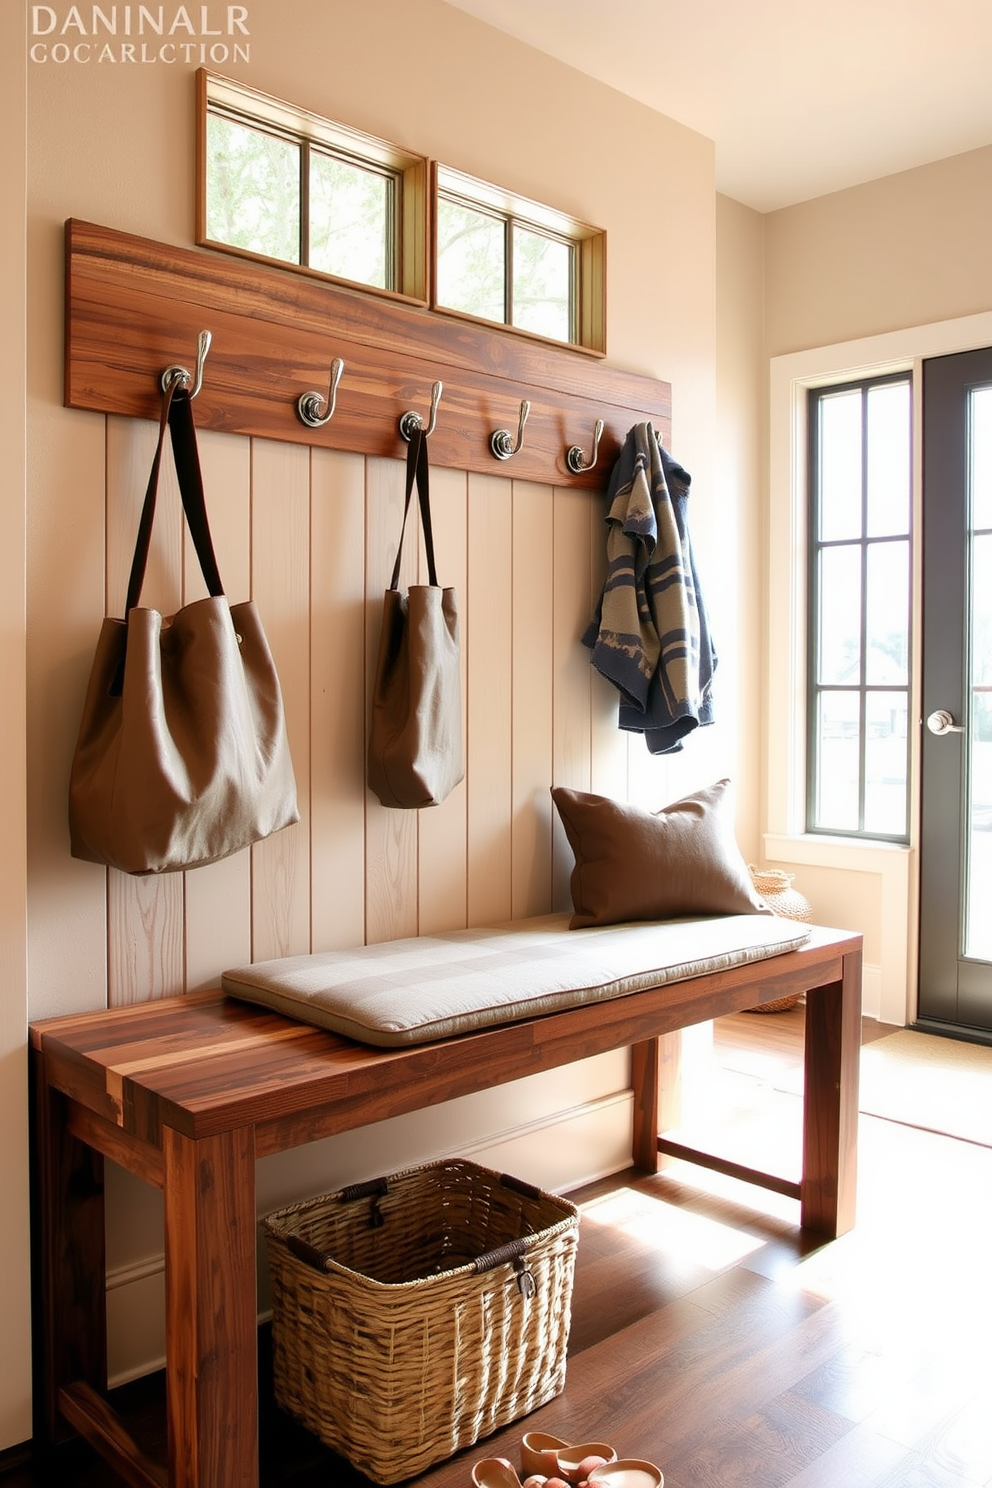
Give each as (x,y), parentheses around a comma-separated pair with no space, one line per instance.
(978,926)
(956,837)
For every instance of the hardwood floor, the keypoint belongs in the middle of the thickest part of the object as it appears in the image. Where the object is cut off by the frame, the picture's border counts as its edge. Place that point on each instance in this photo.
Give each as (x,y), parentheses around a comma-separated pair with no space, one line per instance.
(712,1337)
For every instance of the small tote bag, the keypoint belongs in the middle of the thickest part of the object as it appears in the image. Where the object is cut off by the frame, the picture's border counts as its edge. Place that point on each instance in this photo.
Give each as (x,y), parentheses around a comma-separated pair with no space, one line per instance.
(182,756)
(415,731)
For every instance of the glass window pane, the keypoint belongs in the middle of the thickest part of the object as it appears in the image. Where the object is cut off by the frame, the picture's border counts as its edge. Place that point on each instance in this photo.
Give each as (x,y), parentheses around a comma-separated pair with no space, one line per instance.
(888,468)
(840,466)
(887,640)
(840,617)
(978,937)
(471,261)
(861,517)
(839,760)
(981,457)
(253,189)
(350,220)
(542,284)
(978,931)
(885,763)
(981,611)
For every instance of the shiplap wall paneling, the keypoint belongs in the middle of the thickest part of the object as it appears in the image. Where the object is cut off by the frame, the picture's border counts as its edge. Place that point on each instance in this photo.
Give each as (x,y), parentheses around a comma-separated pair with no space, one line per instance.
(532,698)
(391,836)
(653,779)
(280,517)
(609,761)
(145,929)
(217,897)
(66,596)
(337,699)
(572,588)
(316,532)
(489,635)
(442,830)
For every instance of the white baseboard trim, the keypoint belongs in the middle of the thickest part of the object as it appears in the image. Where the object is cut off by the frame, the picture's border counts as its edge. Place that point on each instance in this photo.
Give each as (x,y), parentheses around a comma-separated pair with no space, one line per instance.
(136,1319)
(871,991)
(565,1150)
(559,1152)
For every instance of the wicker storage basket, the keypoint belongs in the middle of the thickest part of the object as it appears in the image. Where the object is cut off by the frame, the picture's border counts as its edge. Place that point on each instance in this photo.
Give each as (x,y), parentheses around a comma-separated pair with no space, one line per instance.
(417,1313)
(775,887)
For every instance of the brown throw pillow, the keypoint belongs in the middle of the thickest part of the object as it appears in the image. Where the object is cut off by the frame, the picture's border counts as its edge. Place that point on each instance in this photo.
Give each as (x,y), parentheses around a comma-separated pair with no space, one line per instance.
(632,864)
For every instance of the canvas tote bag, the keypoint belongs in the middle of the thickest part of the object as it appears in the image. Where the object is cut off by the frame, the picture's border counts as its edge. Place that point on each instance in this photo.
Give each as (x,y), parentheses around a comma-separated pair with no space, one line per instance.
(182,755)
(415,731)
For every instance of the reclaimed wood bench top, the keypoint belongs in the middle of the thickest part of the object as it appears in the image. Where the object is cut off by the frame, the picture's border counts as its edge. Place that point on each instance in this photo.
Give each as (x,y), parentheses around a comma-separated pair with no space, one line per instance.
(206,1063)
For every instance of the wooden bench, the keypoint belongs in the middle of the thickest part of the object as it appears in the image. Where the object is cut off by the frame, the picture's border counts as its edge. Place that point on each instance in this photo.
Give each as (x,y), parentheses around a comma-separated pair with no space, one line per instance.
(187,1093)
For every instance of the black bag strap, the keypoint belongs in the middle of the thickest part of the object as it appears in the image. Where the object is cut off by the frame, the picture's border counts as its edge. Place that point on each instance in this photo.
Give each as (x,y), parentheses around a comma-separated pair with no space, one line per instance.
(417,468)
(177,415)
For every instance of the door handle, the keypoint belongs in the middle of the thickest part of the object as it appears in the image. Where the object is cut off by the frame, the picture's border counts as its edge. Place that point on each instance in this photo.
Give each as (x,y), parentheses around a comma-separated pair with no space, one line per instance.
(942,722)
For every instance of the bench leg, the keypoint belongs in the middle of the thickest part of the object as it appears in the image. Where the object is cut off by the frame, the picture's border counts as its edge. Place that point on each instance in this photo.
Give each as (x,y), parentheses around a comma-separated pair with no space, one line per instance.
(646,1083)
(656,1078)
(70,1317)
(830,1107)
(211,1326)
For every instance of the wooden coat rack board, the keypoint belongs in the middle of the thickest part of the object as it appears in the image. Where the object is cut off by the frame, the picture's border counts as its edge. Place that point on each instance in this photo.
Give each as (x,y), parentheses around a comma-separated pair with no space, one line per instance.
(135,307)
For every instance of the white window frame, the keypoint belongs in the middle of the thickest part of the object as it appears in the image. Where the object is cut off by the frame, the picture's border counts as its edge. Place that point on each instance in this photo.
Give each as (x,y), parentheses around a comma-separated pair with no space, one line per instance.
(890,985)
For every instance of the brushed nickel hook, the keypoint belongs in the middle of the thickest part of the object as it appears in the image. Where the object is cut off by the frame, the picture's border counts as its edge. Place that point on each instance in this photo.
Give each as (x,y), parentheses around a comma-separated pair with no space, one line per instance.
(179,375)
(412,420)
(501,442)
(309,405)
(576,459)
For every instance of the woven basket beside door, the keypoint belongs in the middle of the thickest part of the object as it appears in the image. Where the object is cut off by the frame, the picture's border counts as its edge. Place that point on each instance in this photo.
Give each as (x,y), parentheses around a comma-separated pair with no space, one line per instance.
(775,887)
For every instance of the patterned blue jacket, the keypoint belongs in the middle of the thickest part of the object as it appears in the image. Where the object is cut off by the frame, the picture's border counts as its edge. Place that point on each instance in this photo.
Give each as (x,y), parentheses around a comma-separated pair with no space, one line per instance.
(650,635)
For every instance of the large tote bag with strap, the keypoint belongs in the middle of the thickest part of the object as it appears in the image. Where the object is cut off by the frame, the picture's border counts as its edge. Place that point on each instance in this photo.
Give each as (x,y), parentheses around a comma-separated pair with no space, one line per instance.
(415,731)
(182,755)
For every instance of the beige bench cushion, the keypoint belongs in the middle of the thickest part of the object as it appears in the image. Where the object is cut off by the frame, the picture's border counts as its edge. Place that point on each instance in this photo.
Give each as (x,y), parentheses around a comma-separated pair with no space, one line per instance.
(433,986)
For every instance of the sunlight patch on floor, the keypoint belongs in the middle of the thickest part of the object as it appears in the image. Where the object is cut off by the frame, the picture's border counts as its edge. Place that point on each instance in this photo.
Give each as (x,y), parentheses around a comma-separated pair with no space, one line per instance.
(763,1203)
(666,1228)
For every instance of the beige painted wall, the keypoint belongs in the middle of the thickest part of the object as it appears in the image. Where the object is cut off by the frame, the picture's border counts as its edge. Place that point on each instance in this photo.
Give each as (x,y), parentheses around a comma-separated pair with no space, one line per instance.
(114,144)
(15,1400)
(903,251)
(741,404)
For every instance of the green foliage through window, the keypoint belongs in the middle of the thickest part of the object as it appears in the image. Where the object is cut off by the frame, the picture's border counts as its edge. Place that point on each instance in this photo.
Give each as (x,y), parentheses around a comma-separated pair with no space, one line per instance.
(543,284)
(257,183)
(253,189)
(471,261)
(277,182)
(492,265)
(352,210)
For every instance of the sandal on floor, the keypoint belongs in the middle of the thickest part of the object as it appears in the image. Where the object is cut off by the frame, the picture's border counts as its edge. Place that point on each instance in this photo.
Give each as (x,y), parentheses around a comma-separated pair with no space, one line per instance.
(571,1458)
(539,1453)
(627,1472)
(552,1457)
(494,1472)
